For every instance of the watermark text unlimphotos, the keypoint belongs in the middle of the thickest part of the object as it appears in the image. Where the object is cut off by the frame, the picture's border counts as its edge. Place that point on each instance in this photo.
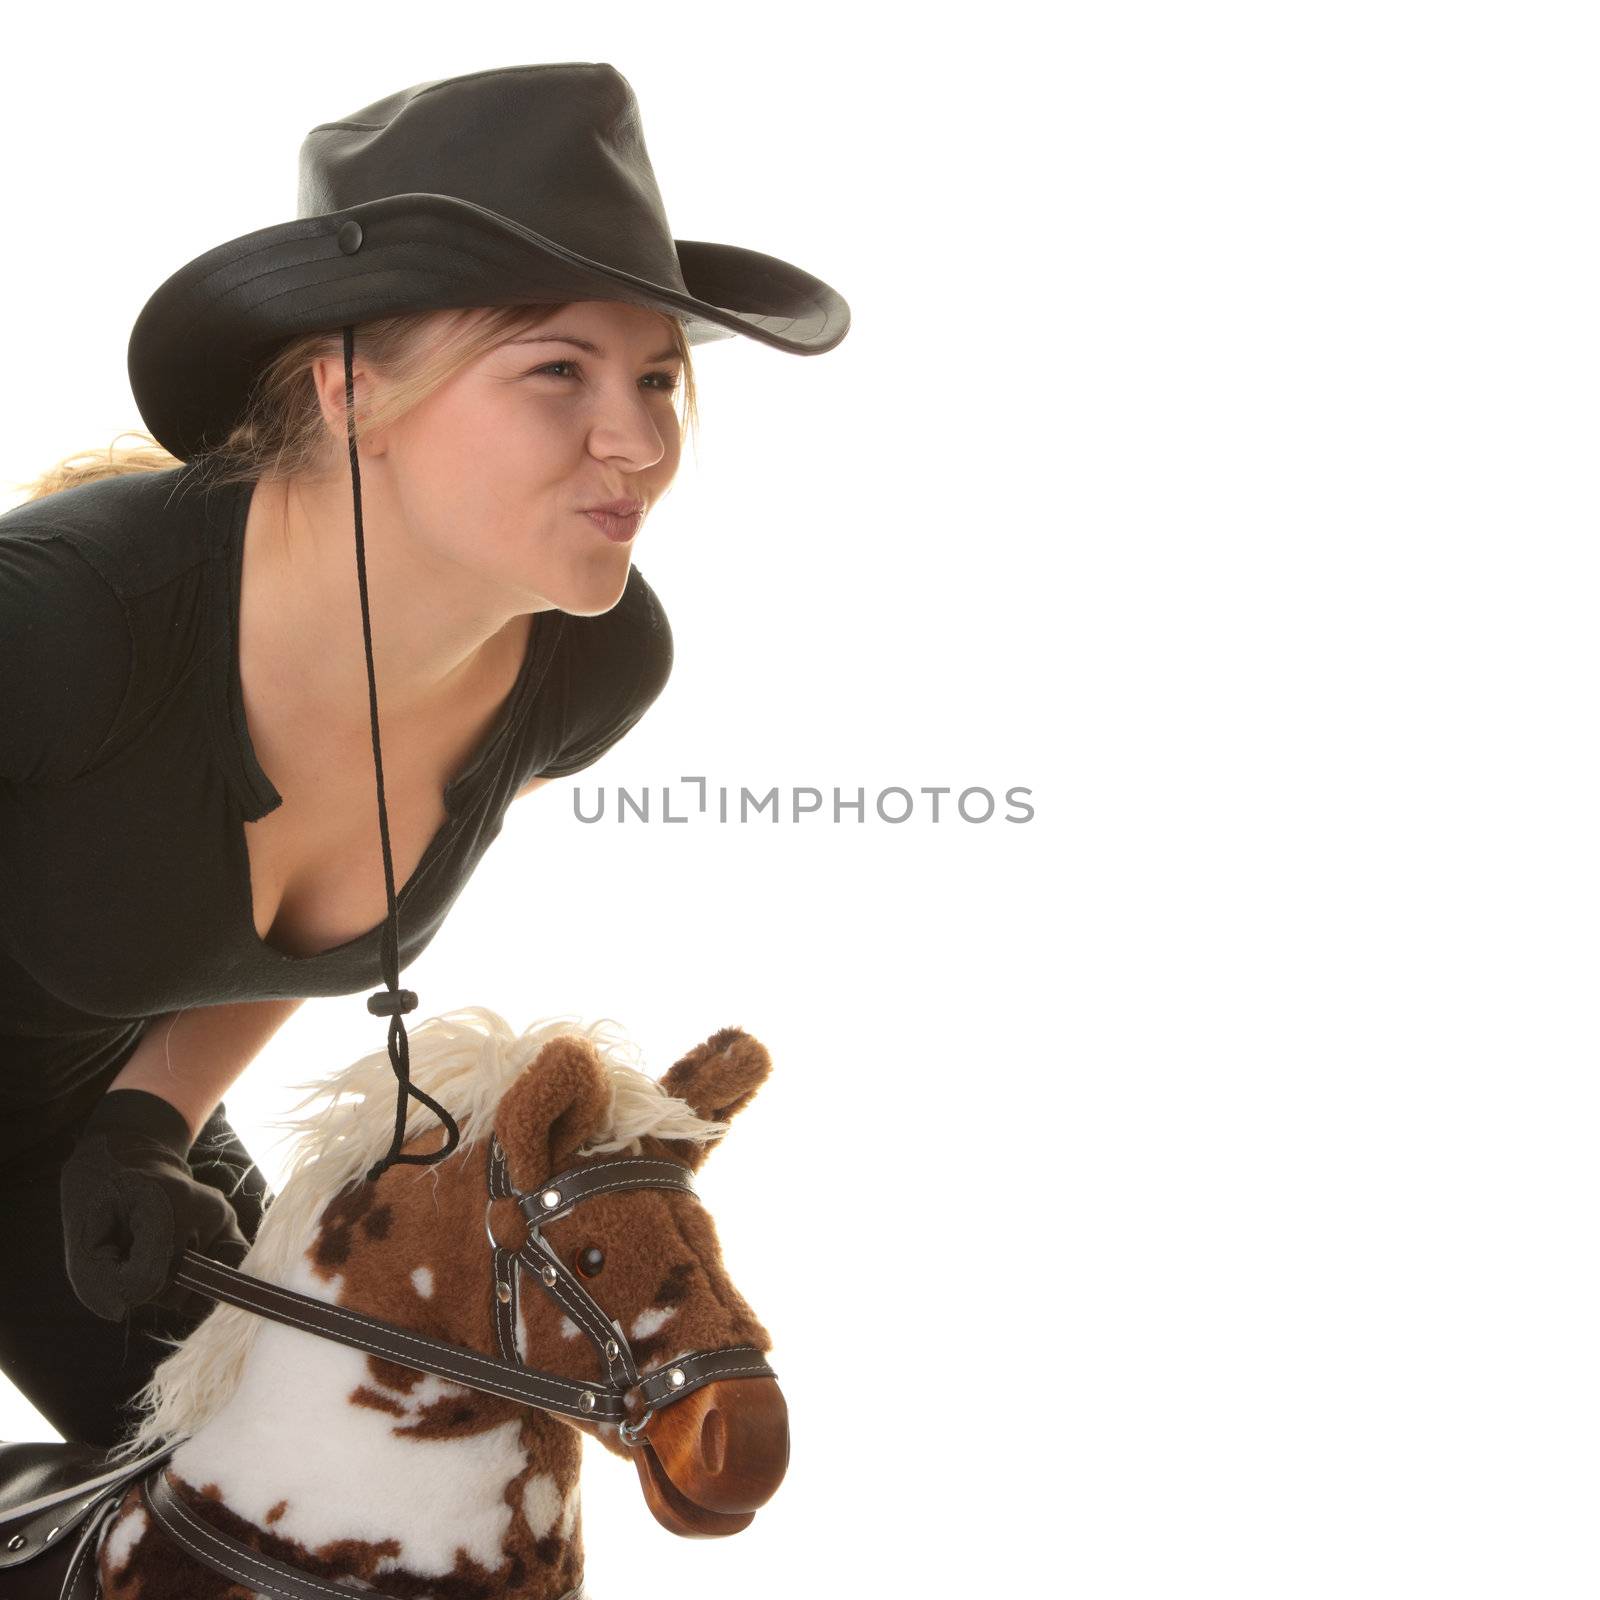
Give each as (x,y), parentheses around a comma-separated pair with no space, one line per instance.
(699,800)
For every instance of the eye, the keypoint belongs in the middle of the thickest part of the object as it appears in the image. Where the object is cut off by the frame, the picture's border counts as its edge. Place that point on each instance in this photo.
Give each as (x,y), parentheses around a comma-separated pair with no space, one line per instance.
(664,382)
(591,1260)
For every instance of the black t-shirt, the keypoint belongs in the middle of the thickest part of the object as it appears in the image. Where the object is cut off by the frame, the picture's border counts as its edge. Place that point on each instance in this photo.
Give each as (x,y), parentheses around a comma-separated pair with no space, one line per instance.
(127,773)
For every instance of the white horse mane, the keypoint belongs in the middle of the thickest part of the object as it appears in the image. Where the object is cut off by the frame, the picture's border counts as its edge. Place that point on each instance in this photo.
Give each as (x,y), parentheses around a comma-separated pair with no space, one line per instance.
(466,1059)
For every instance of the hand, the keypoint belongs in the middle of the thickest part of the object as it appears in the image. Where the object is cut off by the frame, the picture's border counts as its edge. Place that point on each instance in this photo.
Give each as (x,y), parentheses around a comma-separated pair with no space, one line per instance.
(131,1206)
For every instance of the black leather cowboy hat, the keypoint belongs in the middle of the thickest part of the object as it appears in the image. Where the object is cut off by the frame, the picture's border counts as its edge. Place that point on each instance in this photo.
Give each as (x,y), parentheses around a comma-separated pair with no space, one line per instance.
(513,185)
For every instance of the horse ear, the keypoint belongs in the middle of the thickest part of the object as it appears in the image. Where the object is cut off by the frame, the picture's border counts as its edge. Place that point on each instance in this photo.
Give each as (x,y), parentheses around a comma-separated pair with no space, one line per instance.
(718,1079)
(561,1101)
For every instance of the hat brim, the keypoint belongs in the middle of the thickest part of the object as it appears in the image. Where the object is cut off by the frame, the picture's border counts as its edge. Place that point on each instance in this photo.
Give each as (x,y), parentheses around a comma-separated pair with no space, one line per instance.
(199,343)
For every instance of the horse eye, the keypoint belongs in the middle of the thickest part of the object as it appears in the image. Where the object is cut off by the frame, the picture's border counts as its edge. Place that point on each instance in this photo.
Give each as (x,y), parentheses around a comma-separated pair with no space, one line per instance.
(590,1261)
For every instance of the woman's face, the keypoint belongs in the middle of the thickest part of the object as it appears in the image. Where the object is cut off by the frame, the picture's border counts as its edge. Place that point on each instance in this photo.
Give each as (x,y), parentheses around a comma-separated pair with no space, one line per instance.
(490,474)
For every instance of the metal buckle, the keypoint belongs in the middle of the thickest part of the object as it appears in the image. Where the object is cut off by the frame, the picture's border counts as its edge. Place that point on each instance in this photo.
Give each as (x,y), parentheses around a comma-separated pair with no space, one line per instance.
(488,1231)
(631,1433)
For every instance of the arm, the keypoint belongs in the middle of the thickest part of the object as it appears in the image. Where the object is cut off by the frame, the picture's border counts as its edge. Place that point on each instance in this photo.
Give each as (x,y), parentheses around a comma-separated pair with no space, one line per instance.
(189,1058)
(530,786)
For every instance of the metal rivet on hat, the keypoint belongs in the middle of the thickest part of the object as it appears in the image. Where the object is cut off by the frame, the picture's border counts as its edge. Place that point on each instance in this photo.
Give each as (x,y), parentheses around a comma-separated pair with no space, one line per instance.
(504,1291)
(350,236)
(676,1378)
(550,1199)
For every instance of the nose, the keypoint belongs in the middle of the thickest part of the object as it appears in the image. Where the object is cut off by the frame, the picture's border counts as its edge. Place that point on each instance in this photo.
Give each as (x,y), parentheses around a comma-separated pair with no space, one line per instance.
(628,432)
(726,1446)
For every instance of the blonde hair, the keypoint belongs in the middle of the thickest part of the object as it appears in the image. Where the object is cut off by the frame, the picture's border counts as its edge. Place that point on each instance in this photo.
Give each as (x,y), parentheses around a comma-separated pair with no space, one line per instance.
(283,434)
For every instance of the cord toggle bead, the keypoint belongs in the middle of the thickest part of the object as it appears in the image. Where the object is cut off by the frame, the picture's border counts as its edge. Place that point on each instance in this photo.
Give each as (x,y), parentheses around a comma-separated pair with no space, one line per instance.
(391,1002)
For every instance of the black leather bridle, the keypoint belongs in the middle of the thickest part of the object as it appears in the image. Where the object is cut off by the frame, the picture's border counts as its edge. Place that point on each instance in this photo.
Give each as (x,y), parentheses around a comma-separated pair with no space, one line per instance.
(606,1400)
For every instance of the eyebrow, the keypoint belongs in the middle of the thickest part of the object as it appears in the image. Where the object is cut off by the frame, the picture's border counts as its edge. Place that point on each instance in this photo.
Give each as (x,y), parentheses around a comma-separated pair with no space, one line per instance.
(668,354)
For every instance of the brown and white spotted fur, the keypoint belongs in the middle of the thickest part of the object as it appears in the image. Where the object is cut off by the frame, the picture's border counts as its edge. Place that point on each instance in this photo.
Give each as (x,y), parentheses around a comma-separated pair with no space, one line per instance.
(349,1466)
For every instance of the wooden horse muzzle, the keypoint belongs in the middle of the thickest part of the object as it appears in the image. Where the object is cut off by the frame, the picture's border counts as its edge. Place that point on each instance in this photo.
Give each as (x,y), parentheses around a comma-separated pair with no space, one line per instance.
(709,1461)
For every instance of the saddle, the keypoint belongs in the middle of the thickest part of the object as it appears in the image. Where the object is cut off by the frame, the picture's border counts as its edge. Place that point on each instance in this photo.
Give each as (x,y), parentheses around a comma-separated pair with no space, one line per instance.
(54,1499)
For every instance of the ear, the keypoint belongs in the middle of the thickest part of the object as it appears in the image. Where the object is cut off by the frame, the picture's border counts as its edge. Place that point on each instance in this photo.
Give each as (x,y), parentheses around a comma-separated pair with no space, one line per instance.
(561,1101)
(718,1079)
(327,376)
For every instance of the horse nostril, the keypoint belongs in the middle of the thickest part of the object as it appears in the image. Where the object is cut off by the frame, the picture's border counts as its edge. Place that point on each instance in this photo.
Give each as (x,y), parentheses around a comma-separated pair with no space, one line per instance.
(713,1440)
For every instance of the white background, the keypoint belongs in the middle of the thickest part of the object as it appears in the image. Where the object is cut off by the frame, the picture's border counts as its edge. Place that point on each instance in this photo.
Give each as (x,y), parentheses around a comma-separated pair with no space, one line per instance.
(1190,1190)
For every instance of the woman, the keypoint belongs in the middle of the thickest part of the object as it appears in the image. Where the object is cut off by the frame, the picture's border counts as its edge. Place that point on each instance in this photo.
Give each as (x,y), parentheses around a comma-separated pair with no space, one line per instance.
(478,330)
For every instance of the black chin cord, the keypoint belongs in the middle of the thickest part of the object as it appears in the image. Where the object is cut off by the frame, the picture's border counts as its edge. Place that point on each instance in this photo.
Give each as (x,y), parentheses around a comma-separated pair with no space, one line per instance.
(393,1001)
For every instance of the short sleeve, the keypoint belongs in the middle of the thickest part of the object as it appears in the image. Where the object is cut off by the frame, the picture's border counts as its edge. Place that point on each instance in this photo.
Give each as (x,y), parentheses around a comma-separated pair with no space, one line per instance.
(623,661)
(66,655)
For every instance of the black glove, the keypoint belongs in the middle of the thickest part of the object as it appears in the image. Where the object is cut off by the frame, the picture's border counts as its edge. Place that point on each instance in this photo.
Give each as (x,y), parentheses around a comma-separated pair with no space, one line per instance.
(131,1206)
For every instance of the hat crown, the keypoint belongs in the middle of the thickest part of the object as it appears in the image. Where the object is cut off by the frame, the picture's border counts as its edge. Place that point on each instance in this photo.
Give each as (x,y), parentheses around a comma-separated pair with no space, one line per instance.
(513,186)
(557,148)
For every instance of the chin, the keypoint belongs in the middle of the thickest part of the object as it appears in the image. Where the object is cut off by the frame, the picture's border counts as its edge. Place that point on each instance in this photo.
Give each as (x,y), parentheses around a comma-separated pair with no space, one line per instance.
(597,587)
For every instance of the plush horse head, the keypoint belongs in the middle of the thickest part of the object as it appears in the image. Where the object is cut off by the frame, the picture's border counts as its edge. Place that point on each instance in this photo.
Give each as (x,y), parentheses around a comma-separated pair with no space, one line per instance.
(350,1466)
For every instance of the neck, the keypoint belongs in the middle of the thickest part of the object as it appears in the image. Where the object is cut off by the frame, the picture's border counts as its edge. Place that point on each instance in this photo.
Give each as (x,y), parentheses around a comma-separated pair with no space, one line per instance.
(438,637)
(350,1467)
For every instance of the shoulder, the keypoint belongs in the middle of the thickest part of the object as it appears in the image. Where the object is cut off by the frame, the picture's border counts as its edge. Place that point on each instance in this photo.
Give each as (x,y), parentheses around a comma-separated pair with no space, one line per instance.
(652,634)
(614,669)
(628,649)
(97,582)
(66,655)
(638,617)
(139,530)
